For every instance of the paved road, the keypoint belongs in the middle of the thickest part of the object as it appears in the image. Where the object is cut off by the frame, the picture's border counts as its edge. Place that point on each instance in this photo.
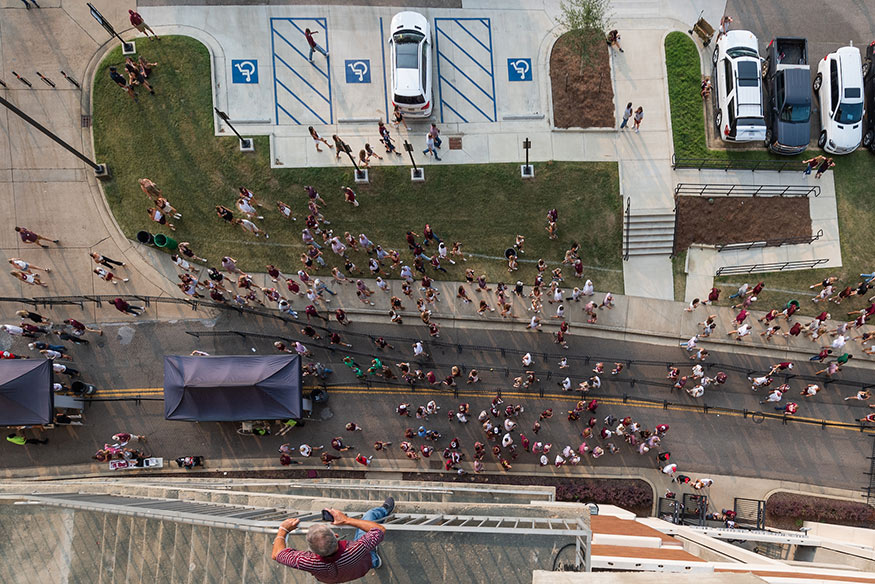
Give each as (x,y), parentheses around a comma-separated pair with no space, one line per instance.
(130,357)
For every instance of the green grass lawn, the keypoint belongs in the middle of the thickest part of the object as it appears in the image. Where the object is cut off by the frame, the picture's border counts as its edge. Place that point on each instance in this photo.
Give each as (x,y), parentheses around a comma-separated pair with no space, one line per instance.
(854,175)
(169,139)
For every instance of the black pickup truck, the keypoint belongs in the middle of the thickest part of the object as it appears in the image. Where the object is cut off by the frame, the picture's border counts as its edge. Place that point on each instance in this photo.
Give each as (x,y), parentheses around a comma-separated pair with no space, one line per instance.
(787,83)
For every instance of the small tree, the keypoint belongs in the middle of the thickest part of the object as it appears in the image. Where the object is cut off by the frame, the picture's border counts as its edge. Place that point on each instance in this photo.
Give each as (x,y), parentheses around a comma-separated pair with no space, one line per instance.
(586,23)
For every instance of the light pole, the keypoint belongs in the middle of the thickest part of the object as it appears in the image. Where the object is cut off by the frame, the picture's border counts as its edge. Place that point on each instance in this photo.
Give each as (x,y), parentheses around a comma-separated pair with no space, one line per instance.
(100,170)
(527,170)
(361,175)
(416,173)
(246,144)
(128,48)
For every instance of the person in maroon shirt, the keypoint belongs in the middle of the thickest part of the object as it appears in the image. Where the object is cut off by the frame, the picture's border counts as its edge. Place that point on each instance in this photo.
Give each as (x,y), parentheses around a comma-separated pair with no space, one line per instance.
(28,236)
(308,34)
(122,305)
(140,24)
(713,296)
(331,559)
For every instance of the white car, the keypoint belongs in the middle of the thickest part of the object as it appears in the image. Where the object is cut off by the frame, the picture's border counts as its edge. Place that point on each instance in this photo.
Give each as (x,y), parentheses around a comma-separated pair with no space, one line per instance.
(410,52)
(838,87)
(738,88)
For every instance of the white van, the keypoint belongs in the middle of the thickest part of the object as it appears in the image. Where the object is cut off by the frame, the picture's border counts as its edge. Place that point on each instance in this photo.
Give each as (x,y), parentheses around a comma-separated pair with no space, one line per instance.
(738,88)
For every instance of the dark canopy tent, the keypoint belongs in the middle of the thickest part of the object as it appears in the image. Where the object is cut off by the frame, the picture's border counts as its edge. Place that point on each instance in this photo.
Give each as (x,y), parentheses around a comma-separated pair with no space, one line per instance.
(26,397)
(233,388)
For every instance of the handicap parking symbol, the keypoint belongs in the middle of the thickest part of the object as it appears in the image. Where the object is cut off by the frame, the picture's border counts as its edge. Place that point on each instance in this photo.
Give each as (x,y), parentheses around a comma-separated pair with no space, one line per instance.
(358,71)
(244,71)
(519,69)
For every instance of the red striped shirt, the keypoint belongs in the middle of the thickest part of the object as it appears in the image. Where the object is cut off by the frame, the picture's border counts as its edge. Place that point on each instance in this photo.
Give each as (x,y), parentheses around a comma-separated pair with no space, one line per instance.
(353,562)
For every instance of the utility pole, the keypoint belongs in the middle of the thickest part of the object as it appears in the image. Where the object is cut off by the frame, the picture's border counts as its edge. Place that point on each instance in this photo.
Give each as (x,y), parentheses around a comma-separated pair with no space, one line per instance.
(246,144)
(416,174)
(100,170)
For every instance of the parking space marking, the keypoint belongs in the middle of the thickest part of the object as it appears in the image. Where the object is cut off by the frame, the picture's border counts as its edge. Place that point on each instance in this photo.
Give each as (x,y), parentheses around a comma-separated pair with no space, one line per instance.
(383,42)
(301,89)
(465,66)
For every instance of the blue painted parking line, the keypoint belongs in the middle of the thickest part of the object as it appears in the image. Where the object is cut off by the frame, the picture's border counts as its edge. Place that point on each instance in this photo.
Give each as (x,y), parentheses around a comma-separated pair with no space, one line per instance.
(465,69)
(301,89)
(383,43)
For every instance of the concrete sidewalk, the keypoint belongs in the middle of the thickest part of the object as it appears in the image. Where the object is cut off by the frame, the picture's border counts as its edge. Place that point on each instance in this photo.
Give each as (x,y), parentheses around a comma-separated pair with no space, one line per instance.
(42,186)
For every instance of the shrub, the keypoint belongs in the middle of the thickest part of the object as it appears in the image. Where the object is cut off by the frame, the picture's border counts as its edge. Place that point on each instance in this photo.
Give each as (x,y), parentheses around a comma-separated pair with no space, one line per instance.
(684,71)
(781,507)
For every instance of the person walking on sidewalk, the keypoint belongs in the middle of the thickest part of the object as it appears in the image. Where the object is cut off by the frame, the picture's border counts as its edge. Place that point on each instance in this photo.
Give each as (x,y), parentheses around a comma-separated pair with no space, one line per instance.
(316,137)
(639,115)
(105,261)
(613,40)
(627,113)
(140,24)
(811,164)
(330,559)
(430,147)
(28,236)
(312,42)
(435,133)
(122,306)
(825,165)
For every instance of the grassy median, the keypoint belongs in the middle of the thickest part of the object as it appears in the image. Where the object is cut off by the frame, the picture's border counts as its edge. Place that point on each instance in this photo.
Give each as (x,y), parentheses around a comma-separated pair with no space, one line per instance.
(854,174)
(169,138)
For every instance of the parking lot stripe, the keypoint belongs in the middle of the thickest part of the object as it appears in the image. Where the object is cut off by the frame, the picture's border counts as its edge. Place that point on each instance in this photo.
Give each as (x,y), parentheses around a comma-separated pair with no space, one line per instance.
(383,41)
(474,83)
(301,101)
(449,107)
(305,94)
(303,56)
(462,26)
(294,119)
(298,75)
(461,73)
(485,115)
(473,60)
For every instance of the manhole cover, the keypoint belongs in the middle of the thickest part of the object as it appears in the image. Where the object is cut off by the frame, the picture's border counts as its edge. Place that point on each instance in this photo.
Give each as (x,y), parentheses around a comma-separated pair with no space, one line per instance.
(456,143)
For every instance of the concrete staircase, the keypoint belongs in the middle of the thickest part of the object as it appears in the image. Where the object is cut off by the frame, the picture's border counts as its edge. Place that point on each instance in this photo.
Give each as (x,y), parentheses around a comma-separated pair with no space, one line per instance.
(649,232)
(47,543)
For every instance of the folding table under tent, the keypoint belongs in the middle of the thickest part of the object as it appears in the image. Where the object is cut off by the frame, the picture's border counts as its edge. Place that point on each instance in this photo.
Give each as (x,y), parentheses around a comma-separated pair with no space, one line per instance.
(26,397)
(234,388)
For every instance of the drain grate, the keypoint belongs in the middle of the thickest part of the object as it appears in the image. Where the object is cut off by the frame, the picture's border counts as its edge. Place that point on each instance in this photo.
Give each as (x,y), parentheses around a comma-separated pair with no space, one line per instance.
(86,121)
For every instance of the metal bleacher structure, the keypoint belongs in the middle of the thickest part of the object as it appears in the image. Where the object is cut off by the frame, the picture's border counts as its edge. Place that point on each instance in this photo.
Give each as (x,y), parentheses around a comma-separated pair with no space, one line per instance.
(213,531)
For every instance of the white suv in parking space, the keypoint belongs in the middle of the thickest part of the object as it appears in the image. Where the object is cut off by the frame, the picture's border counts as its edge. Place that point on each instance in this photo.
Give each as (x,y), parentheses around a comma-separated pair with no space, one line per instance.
(410,54)
(838,88)
(738,89)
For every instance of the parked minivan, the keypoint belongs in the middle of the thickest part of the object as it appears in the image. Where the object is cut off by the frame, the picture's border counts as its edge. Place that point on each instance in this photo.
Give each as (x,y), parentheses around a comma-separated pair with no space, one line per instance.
(738,91)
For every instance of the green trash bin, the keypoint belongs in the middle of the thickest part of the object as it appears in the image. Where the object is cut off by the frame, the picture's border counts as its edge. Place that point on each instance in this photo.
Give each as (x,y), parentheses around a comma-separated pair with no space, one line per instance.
(165,242)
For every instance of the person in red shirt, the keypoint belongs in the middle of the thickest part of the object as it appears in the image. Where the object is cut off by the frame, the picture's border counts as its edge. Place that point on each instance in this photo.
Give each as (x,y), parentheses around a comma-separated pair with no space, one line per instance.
(713,296)
(140,24)
(331,559)
(308,34)
(122,305)
(28,236)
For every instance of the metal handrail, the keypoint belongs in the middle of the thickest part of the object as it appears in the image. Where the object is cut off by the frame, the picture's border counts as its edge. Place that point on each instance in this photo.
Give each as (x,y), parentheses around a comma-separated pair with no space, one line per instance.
(720,190)
(773,267)
(724,164)
(770,242)
(628,227)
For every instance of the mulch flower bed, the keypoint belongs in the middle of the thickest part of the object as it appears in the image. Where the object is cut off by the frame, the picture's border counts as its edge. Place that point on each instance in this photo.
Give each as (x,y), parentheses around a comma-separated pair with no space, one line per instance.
(581,99)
